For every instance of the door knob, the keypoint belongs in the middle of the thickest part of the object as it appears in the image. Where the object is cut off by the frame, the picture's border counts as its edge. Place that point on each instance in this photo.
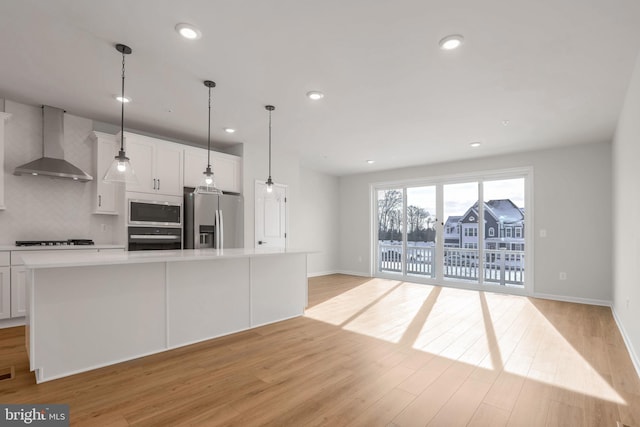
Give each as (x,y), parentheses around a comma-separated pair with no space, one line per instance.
(260,242)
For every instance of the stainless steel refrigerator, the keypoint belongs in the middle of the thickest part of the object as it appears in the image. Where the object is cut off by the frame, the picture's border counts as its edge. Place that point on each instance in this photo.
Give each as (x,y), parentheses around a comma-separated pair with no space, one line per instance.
(213,221)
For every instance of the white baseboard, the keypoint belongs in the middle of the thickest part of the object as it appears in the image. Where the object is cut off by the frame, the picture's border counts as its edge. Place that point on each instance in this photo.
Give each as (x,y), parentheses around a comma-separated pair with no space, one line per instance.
(327,273)
(573,299)
(627,342)
(353,273)
(322,273)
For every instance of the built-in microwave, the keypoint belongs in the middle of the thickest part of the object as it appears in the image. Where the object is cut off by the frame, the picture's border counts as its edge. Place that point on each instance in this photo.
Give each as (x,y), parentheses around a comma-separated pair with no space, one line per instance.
(155,213)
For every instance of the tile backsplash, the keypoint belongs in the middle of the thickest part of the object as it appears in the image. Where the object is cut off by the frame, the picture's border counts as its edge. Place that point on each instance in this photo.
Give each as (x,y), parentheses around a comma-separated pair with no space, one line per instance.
(39,207)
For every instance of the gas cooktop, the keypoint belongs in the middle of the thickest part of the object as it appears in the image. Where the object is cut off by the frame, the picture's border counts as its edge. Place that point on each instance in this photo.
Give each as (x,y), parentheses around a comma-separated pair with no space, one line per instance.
(70,242)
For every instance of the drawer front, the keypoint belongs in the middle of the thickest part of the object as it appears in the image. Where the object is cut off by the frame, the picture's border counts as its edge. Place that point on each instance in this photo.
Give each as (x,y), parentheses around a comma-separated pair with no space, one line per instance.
(4,259)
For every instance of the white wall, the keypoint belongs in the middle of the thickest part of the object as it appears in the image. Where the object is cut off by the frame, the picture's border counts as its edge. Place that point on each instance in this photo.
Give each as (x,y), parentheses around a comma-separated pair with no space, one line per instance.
(44,208)
(572,201)
(626,253)
(319,202)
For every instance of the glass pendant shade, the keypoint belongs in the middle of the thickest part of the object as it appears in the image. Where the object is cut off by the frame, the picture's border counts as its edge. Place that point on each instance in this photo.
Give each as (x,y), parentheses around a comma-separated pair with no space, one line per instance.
(121,170)
(269,185)
(207,184)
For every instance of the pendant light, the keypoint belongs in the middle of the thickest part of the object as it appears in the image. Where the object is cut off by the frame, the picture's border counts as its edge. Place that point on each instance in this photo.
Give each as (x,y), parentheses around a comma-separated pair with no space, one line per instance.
(120,169)
(269,182)
(207,184)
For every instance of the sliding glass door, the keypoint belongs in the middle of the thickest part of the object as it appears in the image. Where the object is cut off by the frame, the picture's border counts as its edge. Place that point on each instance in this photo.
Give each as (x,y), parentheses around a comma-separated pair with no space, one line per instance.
(478,240)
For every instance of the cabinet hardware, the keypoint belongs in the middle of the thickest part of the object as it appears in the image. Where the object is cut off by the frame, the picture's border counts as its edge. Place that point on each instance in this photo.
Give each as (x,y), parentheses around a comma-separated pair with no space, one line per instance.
(99,201)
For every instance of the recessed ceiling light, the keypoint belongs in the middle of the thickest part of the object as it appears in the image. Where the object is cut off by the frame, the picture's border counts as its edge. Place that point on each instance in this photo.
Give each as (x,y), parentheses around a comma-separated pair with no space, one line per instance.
(315,95)
(126,99)
(475,144)
(229,130)
(451,42)
(371,161)
(188,31)
(505,123)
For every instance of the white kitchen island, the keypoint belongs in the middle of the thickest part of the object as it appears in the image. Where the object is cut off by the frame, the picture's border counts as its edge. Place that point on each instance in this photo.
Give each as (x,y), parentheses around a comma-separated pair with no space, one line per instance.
(91,310)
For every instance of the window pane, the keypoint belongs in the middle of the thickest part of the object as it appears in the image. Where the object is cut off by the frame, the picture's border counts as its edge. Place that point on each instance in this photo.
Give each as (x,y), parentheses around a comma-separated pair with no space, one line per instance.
(421,232)
(390,229)
(504,251)
(461,231)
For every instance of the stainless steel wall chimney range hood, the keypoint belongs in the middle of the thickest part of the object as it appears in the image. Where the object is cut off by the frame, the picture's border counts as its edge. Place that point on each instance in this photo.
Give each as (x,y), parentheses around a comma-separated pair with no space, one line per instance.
(52,163)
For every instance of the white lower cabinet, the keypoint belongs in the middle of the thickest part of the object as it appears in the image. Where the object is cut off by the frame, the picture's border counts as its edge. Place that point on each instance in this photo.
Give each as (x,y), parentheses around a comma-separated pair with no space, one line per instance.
(18,291)
(5,293)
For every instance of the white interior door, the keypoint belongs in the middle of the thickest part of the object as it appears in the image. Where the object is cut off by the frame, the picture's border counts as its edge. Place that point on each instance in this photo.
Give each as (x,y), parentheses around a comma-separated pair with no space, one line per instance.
(270,216)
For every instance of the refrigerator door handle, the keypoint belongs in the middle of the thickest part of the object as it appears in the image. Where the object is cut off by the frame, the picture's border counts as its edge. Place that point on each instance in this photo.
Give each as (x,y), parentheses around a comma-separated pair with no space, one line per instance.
(217,230)
(221,233)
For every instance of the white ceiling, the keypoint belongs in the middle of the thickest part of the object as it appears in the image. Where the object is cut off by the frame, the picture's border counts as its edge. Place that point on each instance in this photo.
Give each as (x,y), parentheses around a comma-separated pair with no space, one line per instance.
(556,70)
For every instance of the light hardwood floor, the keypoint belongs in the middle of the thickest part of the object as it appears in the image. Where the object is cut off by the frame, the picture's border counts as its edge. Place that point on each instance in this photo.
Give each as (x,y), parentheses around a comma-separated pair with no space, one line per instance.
(368,352)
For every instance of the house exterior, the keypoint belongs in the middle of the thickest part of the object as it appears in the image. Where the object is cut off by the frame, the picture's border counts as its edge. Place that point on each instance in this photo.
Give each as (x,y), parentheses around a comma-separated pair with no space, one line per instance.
(503,227)
(452,232)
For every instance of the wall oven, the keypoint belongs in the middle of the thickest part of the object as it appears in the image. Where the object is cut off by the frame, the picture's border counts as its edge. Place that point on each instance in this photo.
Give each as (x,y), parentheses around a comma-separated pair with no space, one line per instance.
(154,238)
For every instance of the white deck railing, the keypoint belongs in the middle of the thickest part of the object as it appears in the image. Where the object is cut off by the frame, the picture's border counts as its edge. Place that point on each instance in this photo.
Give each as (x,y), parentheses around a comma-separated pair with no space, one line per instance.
(500,266)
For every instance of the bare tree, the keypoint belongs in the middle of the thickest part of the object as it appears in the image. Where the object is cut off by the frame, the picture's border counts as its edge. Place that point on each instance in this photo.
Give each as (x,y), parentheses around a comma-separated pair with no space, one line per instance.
(416,218)
(395,224)
(389,209)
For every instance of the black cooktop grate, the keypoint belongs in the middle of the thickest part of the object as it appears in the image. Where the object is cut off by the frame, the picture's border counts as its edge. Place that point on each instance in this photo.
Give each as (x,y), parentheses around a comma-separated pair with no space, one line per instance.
(69,242)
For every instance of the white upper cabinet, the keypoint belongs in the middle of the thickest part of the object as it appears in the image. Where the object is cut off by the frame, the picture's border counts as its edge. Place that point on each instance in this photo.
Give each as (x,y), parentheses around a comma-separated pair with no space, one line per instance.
(142,157)
(157,164)
(168,170)
(104,150)
(227,169)
(195,162)
(3,118)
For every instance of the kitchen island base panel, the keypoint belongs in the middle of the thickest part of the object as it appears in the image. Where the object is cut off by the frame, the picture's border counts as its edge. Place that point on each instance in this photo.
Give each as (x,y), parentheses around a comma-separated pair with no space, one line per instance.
(277,294)
(85,317)
(207,300)
(90,316)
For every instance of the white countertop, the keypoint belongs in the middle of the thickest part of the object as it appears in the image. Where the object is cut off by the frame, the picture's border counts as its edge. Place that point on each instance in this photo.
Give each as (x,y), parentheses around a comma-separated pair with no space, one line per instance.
(70,259)
(57,248)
